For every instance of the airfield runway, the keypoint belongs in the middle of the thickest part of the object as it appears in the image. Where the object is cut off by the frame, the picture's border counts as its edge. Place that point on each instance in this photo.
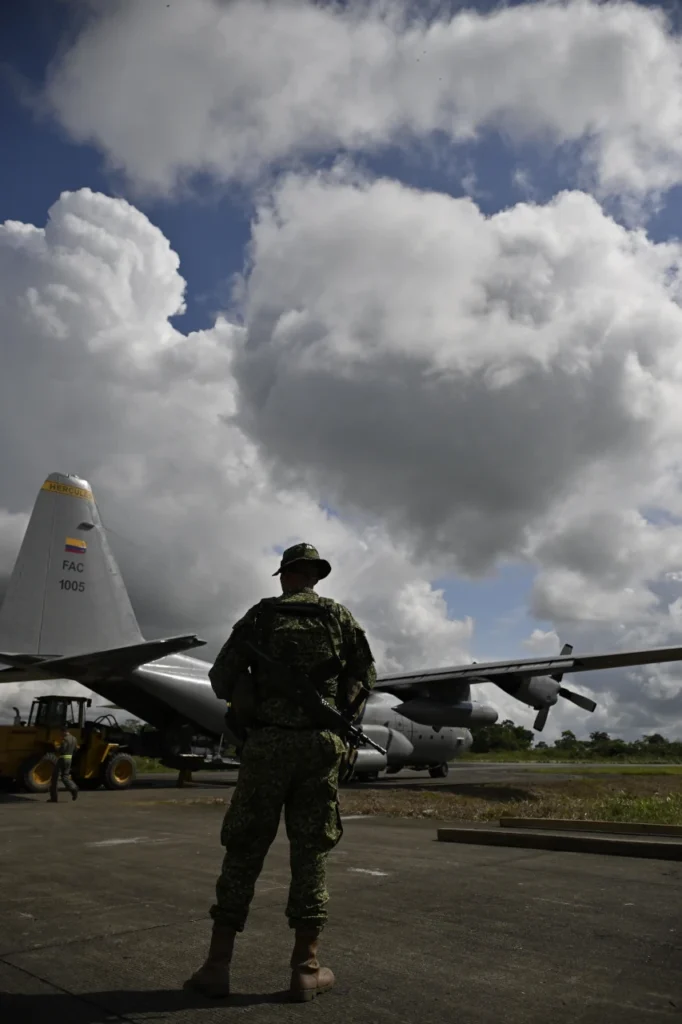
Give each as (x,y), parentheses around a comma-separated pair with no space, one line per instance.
(103,913)
(466,774)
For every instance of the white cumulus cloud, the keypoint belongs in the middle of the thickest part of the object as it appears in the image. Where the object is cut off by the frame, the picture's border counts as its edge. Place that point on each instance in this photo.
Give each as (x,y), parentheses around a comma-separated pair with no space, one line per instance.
(232,89)
(459,388)
(96,381)
(487,386)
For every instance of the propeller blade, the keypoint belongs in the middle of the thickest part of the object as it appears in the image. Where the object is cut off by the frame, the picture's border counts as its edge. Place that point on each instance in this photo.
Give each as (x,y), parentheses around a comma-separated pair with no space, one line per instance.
(541,719)
(566,649)
(577,698)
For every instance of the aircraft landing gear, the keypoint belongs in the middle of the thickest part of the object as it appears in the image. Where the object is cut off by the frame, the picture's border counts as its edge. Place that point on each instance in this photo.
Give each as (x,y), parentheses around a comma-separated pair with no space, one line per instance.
(439,771)
(363,777)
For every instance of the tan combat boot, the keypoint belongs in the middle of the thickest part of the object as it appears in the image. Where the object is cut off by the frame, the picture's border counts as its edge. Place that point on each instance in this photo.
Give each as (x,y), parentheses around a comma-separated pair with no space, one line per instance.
(213,977)
(308,979)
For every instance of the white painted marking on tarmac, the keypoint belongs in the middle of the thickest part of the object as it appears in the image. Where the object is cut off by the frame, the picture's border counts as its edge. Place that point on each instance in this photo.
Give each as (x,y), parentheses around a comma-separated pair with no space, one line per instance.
(369,871)
(118,842)
(122,842)
(562,903)
(354,817)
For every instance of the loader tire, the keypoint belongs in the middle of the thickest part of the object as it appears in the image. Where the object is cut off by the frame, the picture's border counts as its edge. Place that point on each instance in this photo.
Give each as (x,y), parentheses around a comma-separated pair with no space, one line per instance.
(119,772)
(35,774)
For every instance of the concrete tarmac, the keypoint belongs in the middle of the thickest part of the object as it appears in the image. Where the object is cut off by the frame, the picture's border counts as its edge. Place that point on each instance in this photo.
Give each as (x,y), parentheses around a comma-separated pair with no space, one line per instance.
(465,774)
(103,913)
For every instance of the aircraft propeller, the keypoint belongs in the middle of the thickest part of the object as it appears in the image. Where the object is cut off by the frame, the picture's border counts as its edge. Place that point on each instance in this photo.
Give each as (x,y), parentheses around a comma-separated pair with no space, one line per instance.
(576,698)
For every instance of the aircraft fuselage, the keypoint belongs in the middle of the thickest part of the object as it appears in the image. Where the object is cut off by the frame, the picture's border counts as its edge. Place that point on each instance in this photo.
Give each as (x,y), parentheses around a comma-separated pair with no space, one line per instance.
(176,689)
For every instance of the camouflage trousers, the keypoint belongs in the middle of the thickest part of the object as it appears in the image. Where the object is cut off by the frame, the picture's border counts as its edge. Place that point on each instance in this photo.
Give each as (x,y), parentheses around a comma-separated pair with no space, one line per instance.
(297,771)
(62,770)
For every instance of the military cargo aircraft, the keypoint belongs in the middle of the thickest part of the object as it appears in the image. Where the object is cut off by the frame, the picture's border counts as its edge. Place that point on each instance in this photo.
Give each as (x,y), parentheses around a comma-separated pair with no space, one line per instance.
(67,615)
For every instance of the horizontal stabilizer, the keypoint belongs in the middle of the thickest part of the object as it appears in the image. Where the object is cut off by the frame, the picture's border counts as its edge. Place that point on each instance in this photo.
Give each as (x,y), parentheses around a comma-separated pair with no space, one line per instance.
(97,664)
(19,660)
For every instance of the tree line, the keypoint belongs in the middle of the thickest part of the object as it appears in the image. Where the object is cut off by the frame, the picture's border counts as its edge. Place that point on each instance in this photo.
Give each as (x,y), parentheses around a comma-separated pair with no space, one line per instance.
(509,736)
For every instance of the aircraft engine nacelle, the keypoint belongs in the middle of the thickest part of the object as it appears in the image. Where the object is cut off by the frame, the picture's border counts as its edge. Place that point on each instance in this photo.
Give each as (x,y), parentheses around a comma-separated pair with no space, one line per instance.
(539,692)
(440,714)
(370,760)
(542,693)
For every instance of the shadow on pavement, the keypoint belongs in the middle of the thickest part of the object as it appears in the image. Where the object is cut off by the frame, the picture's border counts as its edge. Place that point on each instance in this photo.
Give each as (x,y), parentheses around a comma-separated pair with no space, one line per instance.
(101,1007)
(8,797)
(168,782)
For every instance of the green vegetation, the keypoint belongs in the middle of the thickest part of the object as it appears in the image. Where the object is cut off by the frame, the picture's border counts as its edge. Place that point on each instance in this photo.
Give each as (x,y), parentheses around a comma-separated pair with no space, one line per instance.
(506,741)
(664,809)
(638,797)
(552,756)
(615,769)
(607,797)
(145,765)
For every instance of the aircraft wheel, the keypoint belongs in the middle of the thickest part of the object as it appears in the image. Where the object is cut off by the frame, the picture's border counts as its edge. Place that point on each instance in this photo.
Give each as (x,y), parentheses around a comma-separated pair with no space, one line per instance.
(35,774)
(119,772)
(440,771)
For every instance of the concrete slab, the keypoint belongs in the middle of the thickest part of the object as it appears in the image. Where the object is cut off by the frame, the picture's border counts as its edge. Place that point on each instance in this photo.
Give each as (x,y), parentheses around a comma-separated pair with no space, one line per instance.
(103,914)
(487,834)
(586,825)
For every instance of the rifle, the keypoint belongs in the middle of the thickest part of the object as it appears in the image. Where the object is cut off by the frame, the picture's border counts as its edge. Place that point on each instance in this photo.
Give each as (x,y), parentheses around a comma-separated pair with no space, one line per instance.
(301,684)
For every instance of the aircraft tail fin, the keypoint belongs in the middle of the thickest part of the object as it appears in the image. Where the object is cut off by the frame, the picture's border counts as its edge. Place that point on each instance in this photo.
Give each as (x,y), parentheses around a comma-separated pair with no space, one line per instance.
(66,595)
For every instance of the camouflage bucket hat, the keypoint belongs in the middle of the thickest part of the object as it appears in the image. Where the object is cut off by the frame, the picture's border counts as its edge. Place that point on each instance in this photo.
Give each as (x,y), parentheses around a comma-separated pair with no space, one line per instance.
(304,553)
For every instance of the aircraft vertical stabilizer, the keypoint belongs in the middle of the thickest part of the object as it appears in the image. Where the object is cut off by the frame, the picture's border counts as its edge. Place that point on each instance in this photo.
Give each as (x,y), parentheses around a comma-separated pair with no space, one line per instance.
(66,594)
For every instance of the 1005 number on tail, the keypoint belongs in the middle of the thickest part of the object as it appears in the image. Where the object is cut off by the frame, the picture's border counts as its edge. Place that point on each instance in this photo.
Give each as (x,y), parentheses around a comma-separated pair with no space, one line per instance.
(72,585)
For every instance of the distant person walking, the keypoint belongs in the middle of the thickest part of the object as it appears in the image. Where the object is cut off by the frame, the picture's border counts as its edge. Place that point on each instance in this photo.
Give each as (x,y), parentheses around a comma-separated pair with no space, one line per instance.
(62,769)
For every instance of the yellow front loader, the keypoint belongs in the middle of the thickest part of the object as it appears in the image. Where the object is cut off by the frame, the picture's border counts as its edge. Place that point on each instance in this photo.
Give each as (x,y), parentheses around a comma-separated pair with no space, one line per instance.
(28,750)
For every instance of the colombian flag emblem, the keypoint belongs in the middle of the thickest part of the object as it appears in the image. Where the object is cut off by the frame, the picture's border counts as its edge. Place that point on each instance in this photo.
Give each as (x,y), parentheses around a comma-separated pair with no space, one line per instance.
(75,546)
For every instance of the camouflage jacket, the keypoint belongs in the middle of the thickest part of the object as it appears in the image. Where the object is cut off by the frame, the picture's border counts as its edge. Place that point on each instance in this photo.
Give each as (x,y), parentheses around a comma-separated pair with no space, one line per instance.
(237,661)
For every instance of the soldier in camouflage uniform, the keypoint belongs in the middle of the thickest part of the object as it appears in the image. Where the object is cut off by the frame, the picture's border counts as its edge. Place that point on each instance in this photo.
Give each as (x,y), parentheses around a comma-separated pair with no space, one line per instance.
(286,762)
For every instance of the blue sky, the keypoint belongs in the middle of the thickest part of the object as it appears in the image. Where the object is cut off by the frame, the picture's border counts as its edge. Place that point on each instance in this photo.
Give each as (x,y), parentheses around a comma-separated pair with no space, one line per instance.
(209,231)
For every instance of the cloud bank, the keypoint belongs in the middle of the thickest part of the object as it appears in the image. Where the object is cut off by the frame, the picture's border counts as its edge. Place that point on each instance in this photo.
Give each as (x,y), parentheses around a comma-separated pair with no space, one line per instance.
(233,89)
(461,390)
(101,384)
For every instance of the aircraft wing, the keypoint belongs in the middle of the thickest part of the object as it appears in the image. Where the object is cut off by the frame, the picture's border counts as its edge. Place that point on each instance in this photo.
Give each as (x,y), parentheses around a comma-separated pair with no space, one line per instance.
(96,664)
(423,680)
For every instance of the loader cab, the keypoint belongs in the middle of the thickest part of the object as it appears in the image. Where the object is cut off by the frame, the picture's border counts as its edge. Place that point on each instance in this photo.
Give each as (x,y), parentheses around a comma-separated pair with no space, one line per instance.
(56,712)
